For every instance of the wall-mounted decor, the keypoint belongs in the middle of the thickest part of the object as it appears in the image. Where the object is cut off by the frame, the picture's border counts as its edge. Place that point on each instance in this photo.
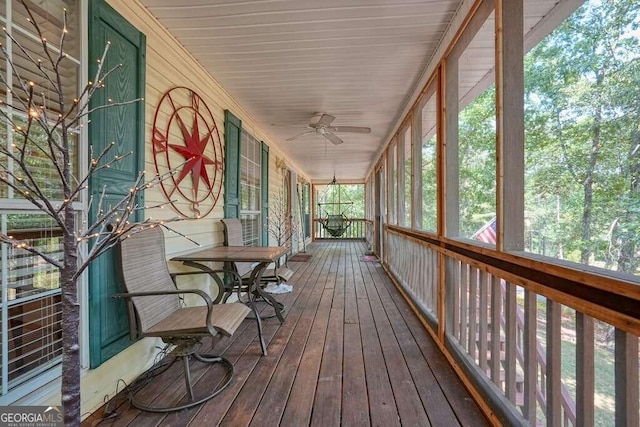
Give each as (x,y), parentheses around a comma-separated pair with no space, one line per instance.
(187,150)
(281,164)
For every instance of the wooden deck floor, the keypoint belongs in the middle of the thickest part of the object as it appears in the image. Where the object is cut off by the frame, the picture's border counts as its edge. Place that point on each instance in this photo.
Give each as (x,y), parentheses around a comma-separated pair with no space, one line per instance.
(350,352)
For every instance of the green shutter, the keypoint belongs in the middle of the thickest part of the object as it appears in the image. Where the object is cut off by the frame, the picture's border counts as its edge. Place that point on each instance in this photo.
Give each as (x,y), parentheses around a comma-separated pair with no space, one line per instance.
(232,131)
(108,324)
(264,188)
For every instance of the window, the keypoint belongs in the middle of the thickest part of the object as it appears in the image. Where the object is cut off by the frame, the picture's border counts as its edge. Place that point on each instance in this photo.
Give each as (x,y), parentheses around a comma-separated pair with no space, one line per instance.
(429,144)
(392,182)
(476,133)
(340,211)
(30,299)
(31,338)
(405,187)
(250,175)
(582,143)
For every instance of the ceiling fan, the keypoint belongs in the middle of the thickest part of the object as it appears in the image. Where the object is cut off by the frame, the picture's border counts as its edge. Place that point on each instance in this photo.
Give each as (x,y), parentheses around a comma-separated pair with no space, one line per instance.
(320,124)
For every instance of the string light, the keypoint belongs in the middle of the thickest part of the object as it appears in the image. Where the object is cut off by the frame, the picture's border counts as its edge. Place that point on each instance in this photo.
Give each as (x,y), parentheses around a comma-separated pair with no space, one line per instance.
(113,215)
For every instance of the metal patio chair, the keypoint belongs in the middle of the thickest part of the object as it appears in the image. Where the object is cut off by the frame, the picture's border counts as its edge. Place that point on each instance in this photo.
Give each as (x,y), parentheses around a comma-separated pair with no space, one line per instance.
(155,310)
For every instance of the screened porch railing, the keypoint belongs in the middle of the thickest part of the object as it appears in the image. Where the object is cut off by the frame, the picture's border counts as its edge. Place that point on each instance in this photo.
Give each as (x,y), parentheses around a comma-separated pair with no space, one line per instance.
(357,230)
(520,332)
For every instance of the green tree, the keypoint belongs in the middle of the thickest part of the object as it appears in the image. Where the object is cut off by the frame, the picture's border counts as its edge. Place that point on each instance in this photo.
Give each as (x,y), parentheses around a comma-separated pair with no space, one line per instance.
(477,162)
(581,87)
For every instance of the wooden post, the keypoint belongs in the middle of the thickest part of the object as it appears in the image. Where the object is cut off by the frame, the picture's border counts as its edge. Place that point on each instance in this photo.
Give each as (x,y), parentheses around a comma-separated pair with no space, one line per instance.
(434,256)
(626,372)
(441,126)
(377,222)
(585,363)
(473,313)
(483,327)
(554,368)
(510,124)
(313,212)
(452,315)
(530,356)
(441,189)
(510,341)
(442,289)
(496,313)
(464,311)
(453,288)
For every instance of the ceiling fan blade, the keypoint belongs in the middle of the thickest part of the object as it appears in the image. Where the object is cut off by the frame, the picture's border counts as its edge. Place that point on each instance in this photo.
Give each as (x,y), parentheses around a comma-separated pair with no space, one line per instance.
(300,134)
(326,119)
(352,129)
(321,120)
(334,139)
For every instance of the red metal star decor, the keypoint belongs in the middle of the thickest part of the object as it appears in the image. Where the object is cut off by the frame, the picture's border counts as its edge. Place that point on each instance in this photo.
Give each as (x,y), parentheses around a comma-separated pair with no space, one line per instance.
(186,142)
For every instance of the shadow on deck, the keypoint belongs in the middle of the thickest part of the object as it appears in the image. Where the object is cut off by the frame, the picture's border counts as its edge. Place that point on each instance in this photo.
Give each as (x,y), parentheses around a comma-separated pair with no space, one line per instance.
(350,352)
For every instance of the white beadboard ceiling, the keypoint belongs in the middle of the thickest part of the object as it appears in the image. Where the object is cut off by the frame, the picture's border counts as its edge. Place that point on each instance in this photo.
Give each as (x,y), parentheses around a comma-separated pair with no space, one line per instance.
(284,60)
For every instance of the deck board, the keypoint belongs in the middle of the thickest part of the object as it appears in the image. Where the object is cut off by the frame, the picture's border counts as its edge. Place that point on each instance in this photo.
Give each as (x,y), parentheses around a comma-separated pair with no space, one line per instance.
(433,400)
(274,399)
(355,406)
(351,352)
(409,405)
(459,399)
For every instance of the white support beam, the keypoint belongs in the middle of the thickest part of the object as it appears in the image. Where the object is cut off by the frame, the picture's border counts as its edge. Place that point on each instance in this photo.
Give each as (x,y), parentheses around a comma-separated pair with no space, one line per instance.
(510,124)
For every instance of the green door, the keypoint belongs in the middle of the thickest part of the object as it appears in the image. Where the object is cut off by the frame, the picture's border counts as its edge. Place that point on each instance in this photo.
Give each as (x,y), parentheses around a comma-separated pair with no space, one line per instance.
(123,125)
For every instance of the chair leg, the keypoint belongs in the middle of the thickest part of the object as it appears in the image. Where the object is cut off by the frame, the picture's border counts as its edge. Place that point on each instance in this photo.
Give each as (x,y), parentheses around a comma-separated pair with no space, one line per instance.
(226,297)
(187,377)
(193,400)
(252,303)
(278,307)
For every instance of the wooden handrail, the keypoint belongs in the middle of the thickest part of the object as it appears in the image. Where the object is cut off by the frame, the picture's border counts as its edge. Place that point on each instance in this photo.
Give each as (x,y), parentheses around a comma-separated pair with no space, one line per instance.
(510,272)
(356,230)
(617,302)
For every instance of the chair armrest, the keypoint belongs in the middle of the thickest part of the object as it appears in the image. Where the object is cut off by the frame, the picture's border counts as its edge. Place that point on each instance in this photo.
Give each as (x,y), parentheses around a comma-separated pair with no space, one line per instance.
(201,269)
(210,272)
(202,294)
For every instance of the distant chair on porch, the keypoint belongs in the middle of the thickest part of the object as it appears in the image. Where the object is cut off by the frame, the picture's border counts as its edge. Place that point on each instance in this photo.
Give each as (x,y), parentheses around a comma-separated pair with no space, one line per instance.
(155,310)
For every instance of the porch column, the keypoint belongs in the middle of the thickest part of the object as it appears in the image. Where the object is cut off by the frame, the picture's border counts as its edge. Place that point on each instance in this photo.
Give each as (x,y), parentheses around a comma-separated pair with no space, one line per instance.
(510,125)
